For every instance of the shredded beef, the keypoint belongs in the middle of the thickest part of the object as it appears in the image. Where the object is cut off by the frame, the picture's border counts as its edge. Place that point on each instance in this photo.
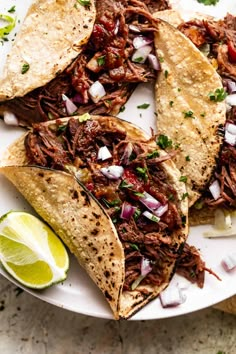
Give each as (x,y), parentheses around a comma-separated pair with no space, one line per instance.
(220,36)
(191,266)
(76,144)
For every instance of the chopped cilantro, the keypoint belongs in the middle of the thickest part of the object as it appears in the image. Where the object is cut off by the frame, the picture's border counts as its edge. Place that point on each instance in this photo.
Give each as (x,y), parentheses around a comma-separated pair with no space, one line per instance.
(187,158)
(101,60)
(143,106)
(142,172)
(84,2)
(124,184)
(138,60)
(122,108)
(12,10)
(203,114)
(161,59)
(166,73)
(155,218)
(185,195)
(171,197)
(134,246)
(111,203)
(153,154)
(137,214)
(25,68)
(188,114)
(163,141)
(171,103)
(208,2)
(138,194)
(218,96)
(179,89)
(61,128)
(183,179)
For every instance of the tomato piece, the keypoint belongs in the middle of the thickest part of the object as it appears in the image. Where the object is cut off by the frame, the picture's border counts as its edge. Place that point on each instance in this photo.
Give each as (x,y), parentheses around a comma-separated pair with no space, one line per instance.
(231,51)
(130,178)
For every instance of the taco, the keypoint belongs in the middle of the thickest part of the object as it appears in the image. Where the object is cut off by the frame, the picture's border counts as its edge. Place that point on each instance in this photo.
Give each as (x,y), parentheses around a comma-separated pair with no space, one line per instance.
(52,35)
(100,79)
(187,116)
(130,238)
(217,40)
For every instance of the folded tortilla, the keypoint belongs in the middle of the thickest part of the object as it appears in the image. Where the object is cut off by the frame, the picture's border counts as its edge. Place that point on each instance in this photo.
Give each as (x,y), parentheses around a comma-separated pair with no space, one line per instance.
(52,35)
(86,226)
(185,112)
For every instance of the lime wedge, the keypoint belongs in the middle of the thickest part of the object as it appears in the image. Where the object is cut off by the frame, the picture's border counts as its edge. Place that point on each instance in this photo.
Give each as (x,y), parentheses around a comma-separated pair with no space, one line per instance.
(30,251)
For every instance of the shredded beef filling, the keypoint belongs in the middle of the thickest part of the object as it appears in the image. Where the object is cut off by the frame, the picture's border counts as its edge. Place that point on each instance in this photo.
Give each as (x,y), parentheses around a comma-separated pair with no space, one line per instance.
(106,58)
(219,38)
(75,146)
(191,266)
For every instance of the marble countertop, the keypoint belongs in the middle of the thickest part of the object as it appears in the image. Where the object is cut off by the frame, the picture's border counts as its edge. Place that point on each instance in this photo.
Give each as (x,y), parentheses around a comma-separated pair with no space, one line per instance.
(31,326)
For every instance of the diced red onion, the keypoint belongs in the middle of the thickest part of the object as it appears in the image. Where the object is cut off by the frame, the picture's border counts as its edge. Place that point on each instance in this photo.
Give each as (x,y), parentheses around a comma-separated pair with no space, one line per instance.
(127,153)
(172,296)
(229,261)
(154,62)
(231,99)
(141,54)
(230,138)
(77,98)
(137,282)
(96,91)
(70,106)
(140,41)
(134,29)
(117,25)
(112,172)
(151,216)
(10,118)
(215,189)
(145,269)
(230,85)
(145,266)
(161,210)
(127,211)
(103,153)
(231,128)
(150,202)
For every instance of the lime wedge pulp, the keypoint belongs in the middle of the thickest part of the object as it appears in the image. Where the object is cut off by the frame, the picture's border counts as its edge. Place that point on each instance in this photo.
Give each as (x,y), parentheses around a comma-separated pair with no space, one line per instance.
(30,251)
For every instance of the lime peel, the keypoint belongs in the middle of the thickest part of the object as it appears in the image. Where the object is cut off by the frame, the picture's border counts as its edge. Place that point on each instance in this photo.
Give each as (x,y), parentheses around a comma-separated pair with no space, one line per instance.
(4,31)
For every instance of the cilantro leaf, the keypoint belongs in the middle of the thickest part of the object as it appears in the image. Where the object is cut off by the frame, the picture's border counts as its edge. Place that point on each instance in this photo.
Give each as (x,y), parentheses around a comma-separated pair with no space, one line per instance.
(163,141)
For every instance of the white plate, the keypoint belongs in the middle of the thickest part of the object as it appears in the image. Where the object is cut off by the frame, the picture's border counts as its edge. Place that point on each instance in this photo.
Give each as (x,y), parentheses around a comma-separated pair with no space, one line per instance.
(78,293)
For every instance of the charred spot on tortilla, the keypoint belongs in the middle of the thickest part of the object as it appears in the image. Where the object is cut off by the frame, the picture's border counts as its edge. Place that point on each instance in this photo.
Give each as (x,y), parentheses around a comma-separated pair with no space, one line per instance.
(97,216)
(75,194)
(86,197)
